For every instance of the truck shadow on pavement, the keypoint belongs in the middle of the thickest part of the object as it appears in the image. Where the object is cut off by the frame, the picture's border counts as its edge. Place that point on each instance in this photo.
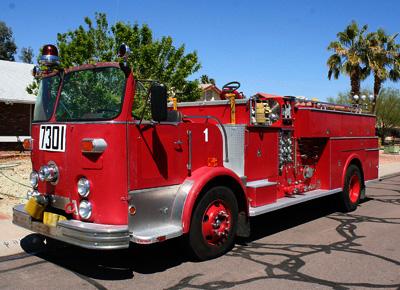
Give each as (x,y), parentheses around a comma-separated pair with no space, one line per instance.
(292,258)
(122,264)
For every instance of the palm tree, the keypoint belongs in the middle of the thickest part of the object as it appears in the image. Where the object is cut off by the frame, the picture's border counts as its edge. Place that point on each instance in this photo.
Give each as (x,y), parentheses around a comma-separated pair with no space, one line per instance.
(204,79)
(383,56)
(349,56)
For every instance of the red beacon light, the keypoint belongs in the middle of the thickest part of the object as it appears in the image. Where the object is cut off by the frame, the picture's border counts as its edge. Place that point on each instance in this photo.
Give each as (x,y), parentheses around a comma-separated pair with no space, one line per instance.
(49,55)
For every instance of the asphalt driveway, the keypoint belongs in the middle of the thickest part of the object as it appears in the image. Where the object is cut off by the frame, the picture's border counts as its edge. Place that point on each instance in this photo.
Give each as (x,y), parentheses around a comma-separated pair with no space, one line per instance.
(302,247)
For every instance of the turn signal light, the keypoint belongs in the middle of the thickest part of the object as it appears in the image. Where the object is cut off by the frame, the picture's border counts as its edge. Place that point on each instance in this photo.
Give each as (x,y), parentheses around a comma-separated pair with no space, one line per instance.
(27,144)
(89,145)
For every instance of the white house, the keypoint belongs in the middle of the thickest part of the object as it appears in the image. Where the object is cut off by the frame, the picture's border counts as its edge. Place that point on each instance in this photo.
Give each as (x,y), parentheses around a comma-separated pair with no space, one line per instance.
(16,105)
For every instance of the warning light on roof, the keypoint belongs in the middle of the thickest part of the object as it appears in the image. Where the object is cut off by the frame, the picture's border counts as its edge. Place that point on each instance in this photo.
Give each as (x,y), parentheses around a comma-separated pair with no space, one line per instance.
(49,55)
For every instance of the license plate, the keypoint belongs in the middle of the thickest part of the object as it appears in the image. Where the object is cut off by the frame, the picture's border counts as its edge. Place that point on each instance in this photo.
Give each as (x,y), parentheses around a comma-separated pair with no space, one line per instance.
(52,138)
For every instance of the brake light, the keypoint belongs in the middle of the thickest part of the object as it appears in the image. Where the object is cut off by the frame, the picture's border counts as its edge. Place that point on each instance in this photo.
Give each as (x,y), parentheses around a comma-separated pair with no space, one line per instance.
(89,145)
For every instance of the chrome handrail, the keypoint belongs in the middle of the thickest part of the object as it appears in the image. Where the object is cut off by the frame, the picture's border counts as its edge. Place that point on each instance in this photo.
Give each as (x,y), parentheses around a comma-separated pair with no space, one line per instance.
(222,127)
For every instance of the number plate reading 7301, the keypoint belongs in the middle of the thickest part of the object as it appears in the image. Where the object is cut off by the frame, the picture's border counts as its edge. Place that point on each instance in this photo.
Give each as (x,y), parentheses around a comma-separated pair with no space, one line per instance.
(52,138)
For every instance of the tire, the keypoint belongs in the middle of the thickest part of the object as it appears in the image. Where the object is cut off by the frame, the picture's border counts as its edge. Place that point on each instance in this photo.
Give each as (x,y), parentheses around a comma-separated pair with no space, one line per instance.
(53,243)
(353,189)
(214,224)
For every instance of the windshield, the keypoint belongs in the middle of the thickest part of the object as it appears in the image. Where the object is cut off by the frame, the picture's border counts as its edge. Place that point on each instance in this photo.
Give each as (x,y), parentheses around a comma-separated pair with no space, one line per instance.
(94,94)
(46,98)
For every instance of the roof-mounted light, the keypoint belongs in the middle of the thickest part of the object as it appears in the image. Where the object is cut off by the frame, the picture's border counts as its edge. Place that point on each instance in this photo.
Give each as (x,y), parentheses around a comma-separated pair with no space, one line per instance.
(49,55)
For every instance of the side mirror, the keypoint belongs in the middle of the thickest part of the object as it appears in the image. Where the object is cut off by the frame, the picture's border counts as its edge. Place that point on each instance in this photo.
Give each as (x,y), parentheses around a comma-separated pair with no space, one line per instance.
(159,110)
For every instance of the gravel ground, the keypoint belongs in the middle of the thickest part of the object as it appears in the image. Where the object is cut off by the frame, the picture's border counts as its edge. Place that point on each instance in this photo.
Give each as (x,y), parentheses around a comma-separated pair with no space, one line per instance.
(14,183)
(388,158)
(14,180)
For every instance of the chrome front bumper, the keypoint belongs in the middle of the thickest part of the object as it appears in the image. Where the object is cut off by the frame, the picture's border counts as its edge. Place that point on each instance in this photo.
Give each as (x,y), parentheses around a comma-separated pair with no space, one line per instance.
(85,235)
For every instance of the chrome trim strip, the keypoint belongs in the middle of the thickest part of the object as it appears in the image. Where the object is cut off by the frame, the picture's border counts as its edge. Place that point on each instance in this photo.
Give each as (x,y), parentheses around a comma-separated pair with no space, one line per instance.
(189,164)
(260,183)
(149,122)
(85,235)
(151,189)
(360,149)
(289,201)
(351,150)
(372,149)
(222,126)
(336,112)
(209,103)
(344,138)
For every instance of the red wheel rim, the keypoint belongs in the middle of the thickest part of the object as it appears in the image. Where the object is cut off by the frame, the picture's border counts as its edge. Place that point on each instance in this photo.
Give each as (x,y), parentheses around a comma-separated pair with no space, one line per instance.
(354,188)
(216,223)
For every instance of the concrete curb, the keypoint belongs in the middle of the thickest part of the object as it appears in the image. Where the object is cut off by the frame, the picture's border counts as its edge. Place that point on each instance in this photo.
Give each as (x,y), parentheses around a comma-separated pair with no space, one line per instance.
(389,176)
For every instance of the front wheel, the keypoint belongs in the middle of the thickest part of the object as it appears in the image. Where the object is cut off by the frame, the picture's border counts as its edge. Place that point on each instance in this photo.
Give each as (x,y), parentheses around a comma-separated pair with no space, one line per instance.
(353,188)
(214,223)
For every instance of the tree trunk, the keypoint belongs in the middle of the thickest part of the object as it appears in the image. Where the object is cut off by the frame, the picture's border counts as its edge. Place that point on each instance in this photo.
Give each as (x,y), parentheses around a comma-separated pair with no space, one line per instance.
(377,89)
(355,82)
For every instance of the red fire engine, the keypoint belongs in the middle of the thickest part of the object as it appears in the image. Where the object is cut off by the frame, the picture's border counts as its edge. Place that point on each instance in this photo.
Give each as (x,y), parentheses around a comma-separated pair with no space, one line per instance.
(103,177)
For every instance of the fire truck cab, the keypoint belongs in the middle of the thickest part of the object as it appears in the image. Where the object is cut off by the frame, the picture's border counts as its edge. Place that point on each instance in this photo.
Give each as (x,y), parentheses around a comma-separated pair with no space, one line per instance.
(103,177)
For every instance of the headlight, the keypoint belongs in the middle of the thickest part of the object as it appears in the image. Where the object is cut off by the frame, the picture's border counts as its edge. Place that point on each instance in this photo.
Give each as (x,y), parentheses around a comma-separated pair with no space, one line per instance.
(85,209)
(48,172)
(83,187)
(34,178)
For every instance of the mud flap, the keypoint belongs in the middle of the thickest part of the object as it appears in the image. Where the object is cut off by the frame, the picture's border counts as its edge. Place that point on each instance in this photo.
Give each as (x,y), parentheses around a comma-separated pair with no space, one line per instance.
(243,229)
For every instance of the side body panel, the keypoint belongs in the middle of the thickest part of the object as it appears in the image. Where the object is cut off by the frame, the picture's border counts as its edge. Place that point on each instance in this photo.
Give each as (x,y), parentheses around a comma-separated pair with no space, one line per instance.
(365,150)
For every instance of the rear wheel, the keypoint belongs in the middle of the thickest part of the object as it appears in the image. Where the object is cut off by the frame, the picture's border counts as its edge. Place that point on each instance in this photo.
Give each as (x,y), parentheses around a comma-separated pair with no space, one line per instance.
(353,188)
(214,224)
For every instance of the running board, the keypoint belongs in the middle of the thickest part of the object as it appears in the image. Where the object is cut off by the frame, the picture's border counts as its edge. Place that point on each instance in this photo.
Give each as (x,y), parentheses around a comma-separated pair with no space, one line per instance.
(289,201)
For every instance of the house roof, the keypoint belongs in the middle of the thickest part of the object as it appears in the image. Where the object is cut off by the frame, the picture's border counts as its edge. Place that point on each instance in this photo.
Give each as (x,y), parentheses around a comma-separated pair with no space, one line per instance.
(14,78)
(206,87)
(265,95)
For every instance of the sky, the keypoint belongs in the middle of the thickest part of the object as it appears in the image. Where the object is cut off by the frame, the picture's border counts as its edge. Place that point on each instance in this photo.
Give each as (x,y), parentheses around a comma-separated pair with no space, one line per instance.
(277,47)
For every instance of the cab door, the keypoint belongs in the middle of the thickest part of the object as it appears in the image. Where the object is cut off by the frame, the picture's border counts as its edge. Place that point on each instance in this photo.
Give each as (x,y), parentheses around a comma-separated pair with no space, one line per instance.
(156,154)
